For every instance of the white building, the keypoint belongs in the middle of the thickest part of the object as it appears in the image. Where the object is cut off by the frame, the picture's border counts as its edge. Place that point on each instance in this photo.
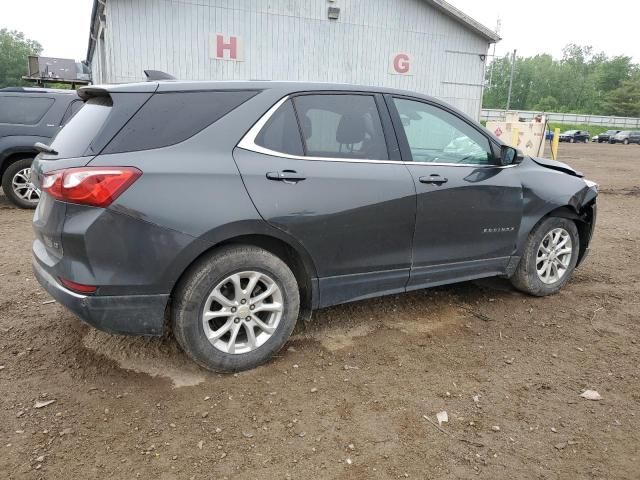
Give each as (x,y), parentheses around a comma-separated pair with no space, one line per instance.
(422,45)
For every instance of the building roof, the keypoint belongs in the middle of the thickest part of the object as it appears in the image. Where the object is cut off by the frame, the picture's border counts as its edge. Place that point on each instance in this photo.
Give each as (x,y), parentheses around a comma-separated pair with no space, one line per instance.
(465,19)
(440,5)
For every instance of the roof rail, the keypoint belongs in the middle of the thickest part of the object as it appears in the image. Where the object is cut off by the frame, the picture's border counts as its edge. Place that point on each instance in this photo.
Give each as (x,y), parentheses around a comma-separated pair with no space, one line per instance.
(155,75)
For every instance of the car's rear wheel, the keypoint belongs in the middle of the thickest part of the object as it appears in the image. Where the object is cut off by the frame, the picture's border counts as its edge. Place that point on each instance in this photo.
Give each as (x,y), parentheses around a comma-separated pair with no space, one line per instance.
(626,141)
(549,257)
(235,308)
(572,140)
(17,186)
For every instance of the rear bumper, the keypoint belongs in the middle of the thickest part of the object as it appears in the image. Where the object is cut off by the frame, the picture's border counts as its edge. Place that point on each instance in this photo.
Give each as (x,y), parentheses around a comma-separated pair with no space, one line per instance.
(125,314)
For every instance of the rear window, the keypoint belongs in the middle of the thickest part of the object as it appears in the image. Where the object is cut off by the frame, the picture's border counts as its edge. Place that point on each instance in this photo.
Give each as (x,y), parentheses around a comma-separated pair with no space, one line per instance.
(170,118)
(23,110)
(74,139)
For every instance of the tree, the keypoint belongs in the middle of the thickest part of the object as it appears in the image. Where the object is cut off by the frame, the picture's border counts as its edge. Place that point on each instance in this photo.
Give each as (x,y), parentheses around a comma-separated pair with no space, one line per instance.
(14,50)
(580,82)
(625,100)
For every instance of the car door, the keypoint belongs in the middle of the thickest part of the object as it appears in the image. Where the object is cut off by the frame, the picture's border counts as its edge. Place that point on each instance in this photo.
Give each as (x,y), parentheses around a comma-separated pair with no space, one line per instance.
(469,209)
(318,167)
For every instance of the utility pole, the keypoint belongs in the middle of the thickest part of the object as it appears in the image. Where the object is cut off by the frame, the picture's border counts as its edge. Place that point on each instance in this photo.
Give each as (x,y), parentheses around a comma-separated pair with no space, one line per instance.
(513,66)
(493,55)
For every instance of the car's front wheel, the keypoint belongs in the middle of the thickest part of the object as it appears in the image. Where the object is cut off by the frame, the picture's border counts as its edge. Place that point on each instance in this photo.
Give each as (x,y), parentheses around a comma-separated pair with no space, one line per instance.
(17,185)
(235,308)
(549,257)
(626,141)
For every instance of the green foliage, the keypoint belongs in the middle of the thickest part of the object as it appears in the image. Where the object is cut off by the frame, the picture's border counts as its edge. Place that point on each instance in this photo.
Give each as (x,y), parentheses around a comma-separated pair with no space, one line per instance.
(580,82)
(14,50)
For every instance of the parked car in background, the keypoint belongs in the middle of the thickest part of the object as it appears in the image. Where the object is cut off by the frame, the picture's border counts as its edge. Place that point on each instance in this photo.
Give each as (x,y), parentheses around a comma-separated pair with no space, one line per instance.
(625,137)
(573,136)
(606,136)
(239,207)
(28,116)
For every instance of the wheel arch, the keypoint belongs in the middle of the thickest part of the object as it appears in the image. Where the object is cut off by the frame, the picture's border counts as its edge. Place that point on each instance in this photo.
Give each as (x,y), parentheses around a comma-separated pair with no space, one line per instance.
(277,243)
(584,219)
(13,156)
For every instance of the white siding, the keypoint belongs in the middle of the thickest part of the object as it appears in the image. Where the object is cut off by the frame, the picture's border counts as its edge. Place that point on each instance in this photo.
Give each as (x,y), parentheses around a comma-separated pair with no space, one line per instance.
(294,40)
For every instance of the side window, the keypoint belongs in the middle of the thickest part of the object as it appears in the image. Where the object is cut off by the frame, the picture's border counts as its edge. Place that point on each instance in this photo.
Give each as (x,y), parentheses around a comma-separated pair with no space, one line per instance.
(281,132)
(23,110)
(341,126)
(173,117)
(435,135)
(73,108)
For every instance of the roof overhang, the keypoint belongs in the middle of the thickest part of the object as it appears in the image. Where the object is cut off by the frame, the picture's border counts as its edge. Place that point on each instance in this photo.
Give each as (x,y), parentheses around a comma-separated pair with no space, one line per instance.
(465,19)
(94,27)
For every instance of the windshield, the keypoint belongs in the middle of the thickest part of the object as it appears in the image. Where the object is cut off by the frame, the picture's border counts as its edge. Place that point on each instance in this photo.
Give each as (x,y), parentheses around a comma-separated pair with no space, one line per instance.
(570,132)
(611,132)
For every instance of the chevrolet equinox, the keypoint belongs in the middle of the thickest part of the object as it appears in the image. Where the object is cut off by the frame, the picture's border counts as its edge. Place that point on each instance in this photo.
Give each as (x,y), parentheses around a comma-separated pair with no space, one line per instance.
(225,212)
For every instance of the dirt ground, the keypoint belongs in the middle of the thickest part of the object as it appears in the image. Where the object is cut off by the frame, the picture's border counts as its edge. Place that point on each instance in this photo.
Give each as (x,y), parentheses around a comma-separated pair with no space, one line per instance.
(347,397)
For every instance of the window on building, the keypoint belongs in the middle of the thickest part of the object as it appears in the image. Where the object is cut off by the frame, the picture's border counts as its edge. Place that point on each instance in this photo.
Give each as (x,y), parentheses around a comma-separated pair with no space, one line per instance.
(23,110)
(341,126)
(435,135)
(281,132)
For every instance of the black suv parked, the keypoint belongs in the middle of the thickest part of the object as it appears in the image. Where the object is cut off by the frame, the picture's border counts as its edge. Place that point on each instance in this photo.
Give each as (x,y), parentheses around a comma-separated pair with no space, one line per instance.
(27,116)
(573,136)
(237,208)
(607,136)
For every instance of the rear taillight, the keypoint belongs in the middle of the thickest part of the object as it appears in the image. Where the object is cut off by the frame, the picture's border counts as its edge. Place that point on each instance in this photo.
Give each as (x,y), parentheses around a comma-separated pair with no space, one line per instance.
(78,287)
(95,186)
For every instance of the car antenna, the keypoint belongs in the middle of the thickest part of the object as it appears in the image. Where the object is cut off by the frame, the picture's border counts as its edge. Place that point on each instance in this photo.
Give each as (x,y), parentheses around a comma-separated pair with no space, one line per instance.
(155,75)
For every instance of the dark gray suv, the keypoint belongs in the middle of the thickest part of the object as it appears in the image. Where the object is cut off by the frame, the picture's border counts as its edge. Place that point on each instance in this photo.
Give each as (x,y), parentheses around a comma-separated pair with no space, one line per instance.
(226,212)
(27,116)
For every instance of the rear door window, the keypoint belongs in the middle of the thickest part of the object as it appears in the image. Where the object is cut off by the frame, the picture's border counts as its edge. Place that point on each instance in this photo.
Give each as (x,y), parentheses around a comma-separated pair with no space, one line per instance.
(74,139)
(341,126)
(173,117)
(24,109)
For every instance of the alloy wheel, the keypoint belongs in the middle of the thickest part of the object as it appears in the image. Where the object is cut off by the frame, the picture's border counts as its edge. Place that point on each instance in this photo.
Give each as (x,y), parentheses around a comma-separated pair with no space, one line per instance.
(23,188)
(242,312)
(554,256)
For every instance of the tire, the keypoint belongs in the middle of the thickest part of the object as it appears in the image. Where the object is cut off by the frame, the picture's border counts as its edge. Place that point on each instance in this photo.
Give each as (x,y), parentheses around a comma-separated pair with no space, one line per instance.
(16,175)
(625,141)
(526,277)
(192,298)
(572,140)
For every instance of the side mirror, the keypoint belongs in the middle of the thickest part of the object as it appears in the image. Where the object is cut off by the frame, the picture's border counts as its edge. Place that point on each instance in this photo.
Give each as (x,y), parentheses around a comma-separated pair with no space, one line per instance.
(510,155)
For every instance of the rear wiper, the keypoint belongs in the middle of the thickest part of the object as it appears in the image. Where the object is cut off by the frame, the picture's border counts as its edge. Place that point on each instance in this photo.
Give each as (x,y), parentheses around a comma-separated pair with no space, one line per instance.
(42,148)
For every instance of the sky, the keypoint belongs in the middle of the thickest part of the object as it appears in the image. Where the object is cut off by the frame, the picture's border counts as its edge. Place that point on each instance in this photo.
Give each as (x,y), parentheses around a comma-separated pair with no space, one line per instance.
(544,26)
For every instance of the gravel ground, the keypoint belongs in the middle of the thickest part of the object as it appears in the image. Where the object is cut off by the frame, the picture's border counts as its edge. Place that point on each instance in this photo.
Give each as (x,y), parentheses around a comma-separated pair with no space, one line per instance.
(356,394)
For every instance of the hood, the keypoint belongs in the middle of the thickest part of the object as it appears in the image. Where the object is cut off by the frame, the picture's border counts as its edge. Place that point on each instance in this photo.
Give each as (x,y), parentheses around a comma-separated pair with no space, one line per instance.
(555,165)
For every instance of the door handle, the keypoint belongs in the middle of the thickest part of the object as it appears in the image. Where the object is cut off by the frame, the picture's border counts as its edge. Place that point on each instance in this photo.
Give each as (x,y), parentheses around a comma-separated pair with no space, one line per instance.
(286,176)
(434,179)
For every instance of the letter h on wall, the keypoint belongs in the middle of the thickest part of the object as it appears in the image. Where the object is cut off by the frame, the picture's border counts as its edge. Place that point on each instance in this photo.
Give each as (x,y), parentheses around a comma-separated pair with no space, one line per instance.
(226,48)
